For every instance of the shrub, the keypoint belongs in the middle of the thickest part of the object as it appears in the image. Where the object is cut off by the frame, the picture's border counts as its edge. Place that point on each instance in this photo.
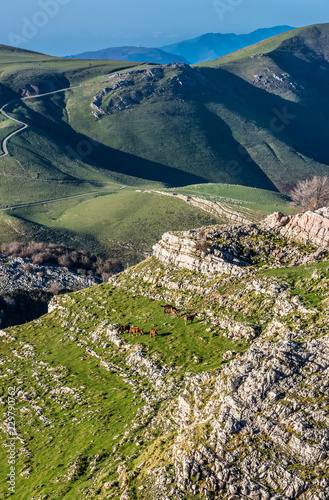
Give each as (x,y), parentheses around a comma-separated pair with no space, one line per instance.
(203,246)
(311,194)
(55,288)
(28,268)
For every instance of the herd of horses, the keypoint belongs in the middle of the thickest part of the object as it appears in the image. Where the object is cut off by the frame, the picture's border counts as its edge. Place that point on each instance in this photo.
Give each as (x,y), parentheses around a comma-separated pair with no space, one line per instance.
(167,309)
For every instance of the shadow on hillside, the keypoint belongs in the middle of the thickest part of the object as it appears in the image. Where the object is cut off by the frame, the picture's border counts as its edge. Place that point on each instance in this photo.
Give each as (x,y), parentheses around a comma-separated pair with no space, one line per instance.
(239,165)
(305,129)
(101,155)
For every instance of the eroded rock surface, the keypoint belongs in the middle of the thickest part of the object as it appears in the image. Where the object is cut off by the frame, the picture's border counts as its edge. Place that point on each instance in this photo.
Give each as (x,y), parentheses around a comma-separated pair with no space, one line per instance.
(308,227)
(263,422)
(17,273)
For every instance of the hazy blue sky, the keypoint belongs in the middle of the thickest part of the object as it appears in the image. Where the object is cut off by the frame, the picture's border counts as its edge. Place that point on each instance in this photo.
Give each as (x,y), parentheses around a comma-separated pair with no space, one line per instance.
(62,27)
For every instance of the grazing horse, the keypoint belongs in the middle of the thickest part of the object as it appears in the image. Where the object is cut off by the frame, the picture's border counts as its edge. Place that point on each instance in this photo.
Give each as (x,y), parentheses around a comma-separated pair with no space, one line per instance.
(123,328)
(133,330)
(167,308)
(189,317)
(153,332)
(140,331)
(170,309)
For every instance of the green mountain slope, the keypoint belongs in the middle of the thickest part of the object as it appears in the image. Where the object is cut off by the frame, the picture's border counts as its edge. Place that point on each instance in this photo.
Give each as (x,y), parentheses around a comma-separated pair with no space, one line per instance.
(245,119)
(256,118)
(101,415)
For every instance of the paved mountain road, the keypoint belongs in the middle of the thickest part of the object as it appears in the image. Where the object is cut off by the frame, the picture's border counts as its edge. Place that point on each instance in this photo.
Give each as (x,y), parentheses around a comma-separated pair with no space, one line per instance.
(25,125)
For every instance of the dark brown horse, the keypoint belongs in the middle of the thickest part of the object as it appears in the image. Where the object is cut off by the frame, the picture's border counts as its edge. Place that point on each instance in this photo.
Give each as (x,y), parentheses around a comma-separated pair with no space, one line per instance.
(124,328)
(189,317)
(153,332)
(170,309)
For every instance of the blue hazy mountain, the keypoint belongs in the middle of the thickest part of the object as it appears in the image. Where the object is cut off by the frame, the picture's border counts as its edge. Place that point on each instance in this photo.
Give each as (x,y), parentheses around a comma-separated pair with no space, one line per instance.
(135,54)
(213,45)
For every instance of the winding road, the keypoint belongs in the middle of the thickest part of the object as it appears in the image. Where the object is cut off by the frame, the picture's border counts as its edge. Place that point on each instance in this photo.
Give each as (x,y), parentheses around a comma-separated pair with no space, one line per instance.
(6,139)
(25,125)
(219,209)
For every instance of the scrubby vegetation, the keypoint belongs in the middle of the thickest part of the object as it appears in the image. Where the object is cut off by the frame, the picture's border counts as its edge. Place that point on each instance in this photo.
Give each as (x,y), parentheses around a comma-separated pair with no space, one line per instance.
(311,194)
(49,253)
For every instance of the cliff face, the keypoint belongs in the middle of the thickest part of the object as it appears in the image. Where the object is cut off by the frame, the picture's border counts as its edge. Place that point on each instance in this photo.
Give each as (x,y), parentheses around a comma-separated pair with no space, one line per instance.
(228,249)
(185,251)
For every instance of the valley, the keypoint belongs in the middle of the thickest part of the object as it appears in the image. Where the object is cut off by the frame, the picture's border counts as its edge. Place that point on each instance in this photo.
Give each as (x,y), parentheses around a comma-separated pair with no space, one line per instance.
(163,303)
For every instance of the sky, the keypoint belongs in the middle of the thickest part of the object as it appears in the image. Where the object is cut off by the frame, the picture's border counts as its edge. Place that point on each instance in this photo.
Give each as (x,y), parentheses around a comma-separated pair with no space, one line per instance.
(67,27)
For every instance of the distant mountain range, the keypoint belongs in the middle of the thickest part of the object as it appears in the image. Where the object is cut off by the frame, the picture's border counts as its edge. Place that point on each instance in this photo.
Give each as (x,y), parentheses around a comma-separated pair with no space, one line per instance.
(204,48)
(133,54)
(213,45)
(255,117)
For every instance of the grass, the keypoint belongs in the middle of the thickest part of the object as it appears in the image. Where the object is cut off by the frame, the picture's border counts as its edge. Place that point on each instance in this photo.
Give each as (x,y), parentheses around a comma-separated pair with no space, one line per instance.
(95,420)
(260,202)
(94,433)
(128,222)
(90,424)
(219,134)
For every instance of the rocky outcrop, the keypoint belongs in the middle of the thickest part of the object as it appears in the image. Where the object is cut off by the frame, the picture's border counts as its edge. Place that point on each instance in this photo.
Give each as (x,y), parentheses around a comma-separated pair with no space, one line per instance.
(216,208)
(127,90)
(17,273)
(308,227)
(264,424)
(185,251)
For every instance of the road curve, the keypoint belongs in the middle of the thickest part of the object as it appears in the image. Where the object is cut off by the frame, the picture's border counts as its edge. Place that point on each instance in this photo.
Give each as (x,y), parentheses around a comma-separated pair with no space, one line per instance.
(25,125)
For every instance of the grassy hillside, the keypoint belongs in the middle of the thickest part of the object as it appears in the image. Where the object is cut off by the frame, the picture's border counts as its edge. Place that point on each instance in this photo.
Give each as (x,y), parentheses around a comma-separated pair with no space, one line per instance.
(256,118)
(258,121)
(94,413)
(259,202)
(127,222)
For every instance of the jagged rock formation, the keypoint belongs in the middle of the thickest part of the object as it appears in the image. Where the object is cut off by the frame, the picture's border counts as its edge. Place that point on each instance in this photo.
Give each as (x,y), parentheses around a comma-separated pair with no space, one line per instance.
(229,249)
(186,252)
(308,227)
(261,415)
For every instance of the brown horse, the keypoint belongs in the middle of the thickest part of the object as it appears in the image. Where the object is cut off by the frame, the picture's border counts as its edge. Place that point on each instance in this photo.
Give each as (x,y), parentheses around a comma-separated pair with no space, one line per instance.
(124,328)
(133,330)
(153,332)
(189,317)
(170,309)
(140,331)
